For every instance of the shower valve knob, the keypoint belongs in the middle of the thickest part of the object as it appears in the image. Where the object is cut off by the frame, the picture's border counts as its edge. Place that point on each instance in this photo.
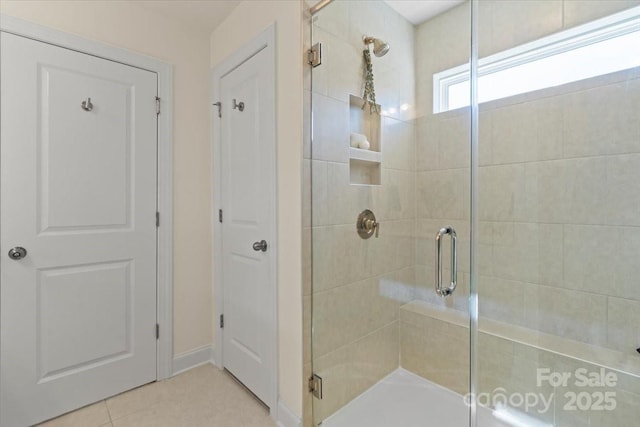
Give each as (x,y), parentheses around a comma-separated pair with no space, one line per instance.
(367,225)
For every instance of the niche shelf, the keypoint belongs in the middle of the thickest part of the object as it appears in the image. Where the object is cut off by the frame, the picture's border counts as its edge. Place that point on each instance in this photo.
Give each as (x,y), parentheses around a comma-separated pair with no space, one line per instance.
(365,155)
(365,166)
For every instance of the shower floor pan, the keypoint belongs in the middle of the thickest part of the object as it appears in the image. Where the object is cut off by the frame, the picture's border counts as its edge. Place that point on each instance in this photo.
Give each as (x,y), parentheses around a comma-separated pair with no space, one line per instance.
(403,399)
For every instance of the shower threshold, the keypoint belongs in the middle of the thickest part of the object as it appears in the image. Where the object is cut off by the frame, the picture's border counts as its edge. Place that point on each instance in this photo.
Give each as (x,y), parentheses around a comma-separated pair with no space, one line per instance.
(408,400)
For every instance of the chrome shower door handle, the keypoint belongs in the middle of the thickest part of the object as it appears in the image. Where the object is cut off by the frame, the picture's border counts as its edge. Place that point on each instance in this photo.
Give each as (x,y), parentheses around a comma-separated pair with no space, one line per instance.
(443,292)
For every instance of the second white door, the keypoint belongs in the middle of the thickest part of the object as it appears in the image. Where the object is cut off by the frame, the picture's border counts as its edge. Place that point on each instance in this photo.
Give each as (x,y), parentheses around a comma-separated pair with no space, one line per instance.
(248,227)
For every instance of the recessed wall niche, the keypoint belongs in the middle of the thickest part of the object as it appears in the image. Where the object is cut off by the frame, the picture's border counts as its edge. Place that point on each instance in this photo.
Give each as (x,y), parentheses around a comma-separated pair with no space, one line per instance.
(365,163)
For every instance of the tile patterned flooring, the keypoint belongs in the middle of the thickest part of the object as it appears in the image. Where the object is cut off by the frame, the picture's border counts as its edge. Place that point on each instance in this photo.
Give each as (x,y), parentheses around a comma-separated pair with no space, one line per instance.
(203,396)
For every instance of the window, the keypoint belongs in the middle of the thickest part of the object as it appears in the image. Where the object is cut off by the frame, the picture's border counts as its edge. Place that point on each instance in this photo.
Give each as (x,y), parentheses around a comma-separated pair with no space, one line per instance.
(600,47)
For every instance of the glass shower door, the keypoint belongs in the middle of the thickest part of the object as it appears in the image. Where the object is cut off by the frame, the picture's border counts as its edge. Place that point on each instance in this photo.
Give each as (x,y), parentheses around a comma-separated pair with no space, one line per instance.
(387,175)
(559,213)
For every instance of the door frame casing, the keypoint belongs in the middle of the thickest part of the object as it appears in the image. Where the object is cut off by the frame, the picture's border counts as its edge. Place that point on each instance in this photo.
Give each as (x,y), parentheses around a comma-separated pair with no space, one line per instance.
(264,41)
(164,245)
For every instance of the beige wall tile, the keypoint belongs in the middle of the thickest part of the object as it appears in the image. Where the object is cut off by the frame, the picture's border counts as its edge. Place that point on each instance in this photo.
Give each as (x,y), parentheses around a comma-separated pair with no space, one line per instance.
(516,22)
(435,355)
(602,120)
(340,256)
(587,189)
(342,69)
(347,313)
(623,325)
(366,17)
(445,37)
(398,144)
(502,195)
(306,330)
(330,129)
(345,201)
(602,260)
(501,300)
(528,252)
(306,193)
(334,369)
(352,369)
(485,134)
(306,123)
(334,19)
(393,250)
(527,132)
(441,194)
(547,193)
(427,137)
(395,198)
(623,196)
(454,142)
(334,251)
(319,193)
(581,11)
(400,34)
(306,261)
(567,313)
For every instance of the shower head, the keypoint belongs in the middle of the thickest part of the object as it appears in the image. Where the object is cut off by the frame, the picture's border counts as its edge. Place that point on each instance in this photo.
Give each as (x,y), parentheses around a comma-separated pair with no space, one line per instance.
(380,47)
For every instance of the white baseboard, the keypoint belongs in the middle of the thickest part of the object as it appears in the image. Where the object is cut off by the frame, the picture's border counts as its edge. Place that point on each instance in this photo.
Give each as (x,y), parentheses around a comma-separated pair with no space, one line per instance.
(286,417)
(185,361)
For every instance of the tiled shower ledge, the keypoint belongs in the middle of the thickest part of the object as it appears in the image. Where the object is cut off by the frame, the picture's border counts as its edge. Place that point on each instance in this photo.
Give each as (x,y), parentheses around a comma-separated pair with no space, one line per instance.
(610,359)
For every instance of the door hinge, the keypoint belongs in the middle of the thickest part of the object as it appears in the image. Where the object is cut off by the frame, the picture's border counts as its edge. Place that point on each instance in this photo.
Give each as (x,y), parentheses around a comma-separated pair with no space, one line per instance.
(315,386)
(219,215)
(157,331)
(314,55)
(157,105)
(222,320)
(219,105)
(157,219)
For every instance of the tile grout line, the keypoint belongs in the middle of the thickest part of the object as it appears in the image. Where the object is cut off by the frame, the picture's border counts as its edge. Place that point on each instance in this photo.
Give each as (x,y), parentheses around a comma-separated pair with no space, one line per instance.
(108,412)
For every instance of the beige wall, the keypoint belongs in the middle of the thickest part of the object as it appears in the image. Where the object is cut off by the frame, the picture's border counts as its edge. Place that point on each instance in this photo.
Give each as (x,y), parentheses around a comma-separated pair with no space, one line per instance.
(245,23)
(143,30)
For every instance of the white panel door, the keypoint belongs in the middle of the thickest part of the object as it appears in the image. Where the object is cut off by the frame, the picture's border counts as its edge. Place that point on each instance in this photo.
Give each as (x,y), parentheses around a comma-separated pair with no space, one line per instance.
(78,192)
(248,199)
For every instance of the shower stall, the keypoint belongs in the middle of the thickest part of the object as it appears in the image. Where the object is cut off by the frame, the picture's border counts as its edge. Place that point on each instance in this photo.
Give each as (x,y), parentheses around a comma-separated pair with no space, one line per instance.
(472,210)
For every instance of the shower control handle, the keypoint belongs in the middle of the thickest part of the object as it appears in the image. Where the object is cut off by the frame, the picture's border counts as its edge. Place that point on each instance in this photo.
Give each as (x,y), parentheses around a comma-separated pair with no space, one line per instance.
(367,225)
(443,292)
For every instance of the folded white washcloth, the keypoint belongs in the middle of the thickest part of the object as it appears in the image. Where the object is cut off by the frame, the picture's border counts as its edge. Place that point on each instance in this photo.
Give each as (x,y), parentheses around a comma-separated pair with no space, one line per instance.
(357,139)
(364,145)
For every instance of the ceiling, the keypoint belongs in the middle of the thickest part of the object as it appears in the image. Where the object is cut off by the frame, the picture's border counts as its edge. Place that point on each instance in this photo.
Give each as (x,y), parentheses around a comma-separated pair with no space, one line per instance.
(418,11)
(206,15)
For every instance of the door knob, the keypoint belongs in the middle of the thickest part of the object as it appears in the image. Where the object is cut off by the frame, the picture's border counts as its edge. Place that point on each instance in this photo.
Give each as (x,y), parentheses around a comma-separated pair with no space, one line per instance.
(17,253)
(260,246)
